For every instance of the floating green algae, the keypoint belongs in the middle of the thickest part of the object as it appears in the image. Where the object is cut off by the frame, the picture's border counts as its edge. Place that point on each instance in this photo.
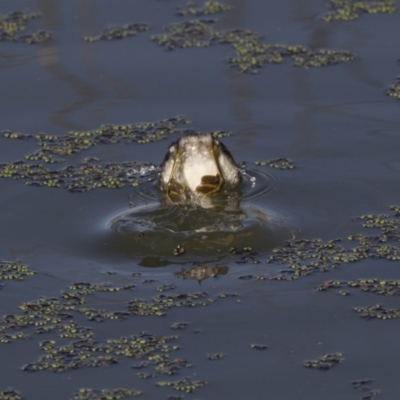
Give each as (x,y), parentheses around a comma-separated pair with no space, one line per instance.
(277,163)
(215,356)
(115,32)
(304,257)
(258,346)
(202,272)
(251,53)
(377,311)
(13,28)
(46,315)
(208,8)
(105,394)
(89,353)
(179,325)
(10,394)
(394,90)
(55,148)
(183,385)
(348,10)
(88,175)
(14,271)
(325,362)
(382,287)
(158,305)
(363,385)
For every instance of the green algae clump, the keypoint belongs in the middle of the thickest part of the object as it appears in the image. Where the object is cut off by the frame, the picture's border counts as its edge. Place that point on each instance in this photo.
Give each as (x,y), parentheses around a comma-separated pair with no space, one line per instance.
(183,385)
(250,52)
(348,10)
(325,362)
(13,27)
(105,394)
(208,8)
(14,271)
(10,394)
(115,32)
(54,148)
(394,90)
(277,163)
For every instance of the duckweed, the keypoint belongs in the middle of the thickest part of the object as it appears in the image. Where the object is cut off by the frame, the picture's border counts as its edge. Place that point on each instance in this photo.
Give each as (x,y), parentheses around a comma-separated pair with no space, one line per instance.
(258,346)
(14,271)
(208,8)
(216,356)
(377,286)
(304,257)
(115,32)
(394,90)
(89,353)
(364,386)
(10,394)
(158,305)
(277,163)
(105,394)
(200,272)
(184,385)
(179,325)
(54,148)
(348,10)
(13,28)
(250,53)
(325,362)
(89,175)
(377,311)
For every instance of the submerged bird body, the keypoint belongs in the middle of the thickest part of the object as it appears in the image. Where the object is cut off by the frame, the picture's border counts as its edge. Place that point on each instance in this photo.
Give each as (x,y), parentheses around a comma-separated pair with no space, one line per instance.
(197,164)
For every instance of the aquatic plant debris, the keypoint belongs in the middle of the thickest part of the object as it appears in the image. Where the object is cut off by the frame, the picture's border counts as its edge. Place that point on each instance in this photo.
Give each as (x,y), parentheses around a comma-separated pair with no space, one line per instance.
(88,175)
(377,311)
(382,287)
(363,385)
(105,394)
(60,316)
(184,385)
(201,272)
(116,32)
(13,28)
(250,52)
(215,356)
(325,362)
(349,10)
(54,148)
(14,271)
(277,163)
(394,90)
(10,394)
(305,256)
(208,8)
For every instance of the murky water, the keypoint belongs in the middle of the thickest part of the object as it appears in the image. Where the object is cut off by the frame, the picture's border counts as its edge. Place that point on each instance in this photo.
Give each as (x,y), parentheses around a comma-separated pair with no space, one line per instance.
(336,123)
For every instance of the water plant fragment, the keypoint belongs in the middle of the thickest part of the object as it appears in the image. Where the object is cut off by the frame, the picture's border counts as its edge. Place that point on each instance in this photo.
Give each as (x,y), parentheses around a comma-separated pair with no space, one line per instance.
(325,362)
(349,10)
(208,8)
(116,32)
(13,28)
(250,51)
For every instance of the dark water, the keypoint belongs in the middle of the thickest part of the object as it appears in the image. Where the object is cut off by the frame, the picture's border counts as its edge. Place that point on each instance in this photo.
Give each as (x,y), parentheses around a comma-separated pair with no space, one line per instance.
(336,123)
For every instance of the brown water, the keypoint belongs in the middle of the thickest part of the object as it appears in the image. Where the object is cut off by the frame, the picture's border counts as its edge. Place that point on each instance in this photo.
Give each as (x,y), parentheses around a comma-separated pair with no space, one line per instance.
(336,123)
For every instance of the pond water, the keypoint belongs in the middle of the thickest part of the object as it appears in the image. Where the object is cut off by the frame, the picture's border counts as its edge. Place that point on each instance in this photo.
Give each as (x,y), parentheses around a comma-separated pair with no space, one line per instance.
(240,280)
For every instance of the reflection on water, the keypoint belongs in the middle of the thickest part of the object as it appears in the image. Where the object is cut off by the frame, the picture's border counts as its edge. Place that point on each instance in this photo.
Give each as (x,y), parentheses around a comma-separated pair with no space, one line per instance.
(200,272)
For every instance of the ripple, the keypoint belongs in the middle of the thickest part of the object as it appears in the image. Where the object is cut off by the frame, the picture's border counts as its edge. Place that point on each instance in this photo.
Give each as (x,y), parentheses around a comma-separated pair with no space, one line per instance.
(208,229)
